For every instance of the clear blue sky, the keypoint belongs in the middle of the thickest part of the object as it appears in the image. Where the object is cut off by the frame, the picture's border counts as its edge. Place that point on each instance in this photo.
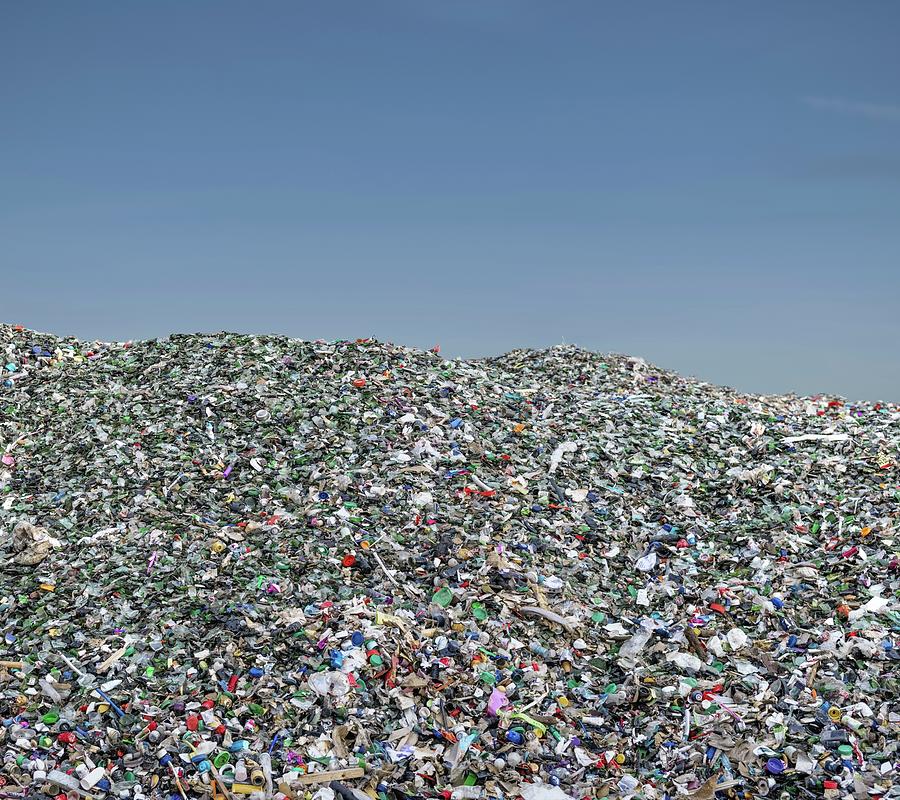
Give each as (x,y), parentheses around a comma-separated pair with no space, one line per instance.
(714,186)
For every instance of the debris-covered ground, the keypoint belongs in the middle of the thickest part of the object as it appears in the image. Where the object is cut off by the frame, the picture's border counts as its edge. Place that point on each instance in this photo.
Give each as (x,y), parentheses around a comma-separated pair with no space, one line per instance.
(236,565)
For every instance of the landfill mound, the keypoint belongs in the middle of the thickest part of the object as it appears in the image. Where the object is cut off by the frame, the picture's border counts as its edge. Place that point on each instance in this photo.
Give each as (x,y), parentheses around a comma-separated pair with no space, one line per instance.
(238,565)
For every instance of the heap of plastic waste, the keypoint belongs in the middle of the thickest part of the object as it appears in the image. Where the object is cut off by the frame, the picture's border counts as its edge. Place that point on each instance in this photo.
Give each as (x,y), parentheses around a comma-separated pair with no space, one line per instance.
(250,565)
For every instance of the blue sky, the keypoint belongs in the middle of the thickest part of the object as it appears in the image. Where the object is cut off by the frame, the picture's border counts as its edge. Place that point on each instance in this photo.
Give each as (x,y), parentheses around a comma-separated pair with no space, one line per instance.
(713,186)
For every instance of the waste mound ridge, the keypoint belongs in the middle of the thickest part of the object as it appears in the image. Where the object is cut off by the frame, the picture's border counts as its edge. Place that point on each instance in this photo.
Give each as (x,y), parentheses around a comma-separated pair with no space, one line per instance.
(238,565)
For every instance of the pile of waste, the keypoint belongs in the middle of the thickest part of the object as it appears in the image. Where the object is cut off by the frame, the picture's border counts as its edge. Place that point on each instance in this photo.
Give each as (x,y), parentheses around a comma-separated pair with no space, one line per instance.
(252,566)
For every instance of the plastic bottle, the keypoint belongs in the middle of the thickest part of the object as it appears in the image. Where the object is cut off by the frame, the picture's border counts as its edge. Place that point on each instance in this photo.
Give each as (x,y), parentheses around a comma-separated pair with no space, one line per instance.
(630,649)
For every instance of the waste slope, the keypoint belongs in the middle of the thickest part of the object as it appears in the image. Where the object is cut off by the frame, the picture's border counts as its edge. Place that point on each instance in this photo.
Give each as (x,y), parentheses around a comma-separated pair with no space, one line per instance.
(252,565)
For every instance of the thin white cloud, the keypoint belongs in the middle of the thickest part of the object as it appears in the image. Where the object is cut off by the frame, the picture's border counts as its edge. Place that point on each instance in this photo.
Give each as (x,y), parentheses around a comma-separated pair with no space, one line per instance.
(839,105)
